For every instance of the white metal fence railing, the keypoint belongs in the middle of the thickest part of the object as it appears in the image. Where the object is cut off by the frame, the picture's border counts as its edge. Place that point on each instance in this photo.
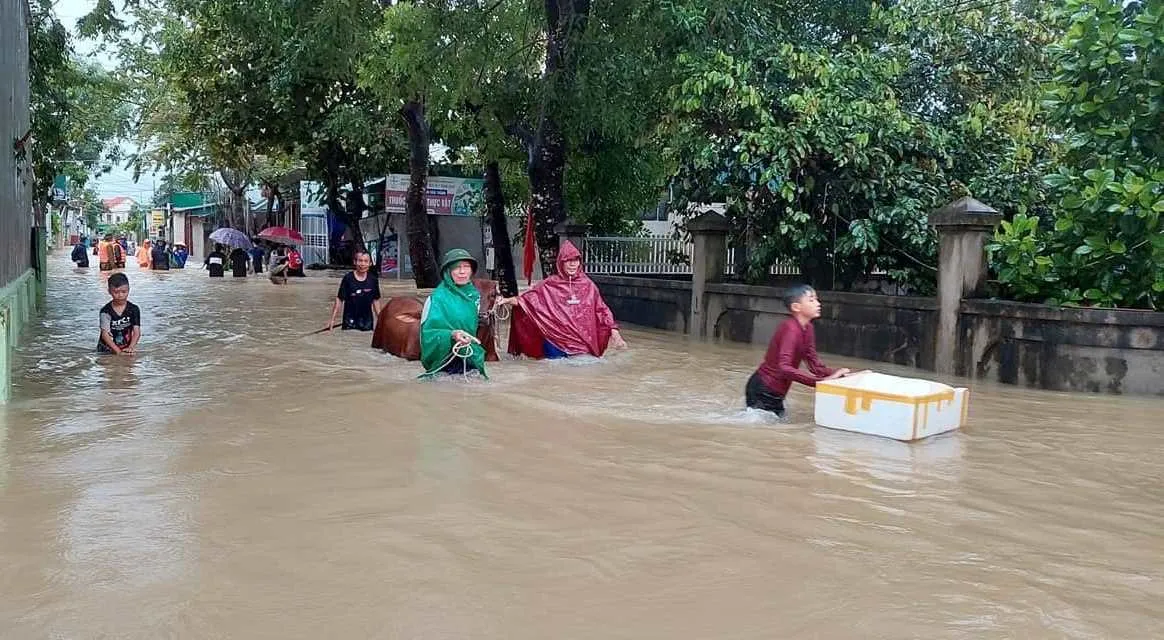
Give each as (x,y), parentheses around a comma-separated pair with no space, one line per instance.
(637,255)
(653,256)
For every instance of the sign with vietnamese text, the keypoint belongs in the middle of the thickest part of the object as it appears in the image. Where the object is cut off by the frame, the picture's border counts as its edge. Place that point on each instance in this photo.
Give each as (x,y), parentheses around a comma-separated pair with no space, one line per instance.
(443,196)
(157,221)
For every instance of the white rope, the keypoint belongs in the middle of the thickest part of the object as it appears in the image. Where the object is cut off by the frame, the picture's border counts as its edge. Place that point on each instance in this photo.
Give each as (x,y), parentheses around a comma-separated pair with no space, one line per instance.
(462,350)
(502,312)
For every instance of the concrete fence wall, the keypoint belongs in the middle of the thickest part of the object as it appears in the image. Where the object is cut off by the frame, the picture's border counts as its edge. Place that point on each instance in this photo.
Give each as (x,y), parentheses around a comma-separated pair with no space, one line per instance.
(1066,349)
(1025,344)
(649,302)
(873,327)
(956,333)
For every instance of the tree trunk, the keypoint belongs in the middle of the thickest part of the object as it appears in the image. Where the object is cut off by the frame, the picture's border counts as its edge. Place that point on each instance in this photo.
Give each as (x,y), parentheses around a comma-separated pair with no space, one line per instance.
(239,208)
(420,244)
(502,249)
(274,197)
(547,172)
(565,24)
(355,212)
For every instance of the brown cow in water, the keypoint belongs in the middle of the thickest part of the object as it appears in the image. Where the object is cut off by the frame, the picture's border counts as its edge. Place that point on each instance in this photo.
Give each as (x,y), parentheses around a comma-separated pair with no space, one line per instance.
(398,327)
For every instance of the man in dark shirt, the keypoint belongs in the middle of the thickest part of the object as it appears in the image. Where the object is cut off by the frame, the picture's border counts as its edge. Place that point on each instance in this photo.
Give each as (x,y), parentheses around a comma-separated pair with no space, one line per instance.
(120,319)
(794,342)
(215,262)
(239,261)
(159,259)
(80,256)
(256,254)
(359,294)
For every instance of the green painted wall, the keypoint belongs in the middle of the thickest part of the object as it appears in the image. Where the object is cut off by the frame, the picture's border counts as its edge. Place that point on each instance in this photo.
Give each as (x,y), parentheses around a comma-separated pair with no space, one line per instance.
(19,301)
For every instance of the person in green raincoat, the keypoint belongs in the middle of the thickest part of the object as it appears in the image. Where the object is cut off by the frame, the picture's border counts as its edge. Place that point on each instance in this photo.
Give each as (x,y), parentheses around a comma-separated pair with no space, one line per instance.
(448,324)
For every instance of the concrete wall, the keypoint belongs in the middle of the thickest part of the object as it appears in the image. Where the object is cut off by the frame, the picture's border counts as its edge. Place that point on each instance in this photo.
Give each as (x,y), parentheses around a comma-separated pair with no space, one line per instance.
(19,287)
(873,327)
(661,304)
(1031,345)
(1064,349)
(16,177)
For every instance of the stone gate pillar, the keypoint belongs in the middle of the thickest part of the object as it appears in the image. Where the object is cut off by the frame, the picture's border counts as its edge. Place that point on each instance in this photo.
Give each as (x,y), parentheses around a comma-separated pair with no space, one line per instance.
(963,226)
(709,232)
(574,231)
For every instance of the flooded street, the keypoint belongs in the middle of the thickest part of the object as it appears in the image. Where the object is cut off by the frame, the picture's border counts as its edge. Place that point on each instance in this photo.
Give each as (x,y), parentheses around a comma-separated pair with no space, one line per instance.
(241,479)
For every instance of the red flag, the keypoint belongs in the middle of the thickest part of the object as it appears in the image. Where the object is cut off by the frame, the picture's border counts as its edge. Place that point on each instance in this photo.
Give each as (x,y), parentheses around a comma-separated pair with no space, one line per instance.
(529,251)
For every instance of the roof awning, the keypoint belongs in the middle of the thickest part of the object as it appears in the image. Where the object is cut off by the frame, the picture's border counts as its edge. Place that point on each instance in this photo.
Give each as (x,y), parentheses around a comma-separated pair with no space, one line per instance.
(199,211)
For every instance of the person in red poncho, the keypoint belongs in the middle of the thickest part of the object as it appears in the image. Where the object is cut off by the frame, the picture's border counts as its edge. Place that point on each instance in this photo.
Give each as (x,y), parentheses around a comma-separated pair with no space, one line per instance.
(563,315)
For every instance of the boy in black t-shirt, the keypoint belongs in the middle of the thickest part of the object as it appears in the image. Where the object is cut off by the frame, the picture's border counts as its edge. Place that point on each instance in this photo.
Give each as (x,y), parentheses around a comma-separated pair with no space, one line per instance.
(120,319)
(359,294)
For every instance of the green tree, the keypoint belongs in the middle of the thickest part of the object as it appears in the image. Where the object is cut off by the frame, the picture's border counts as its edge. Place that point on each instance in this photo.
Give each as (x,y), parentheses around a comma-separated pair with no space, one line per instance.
(831,131)
(136,223)
(232,89)
(589,127)
(76,109)
(92,207)
(542,85)
(1104,244)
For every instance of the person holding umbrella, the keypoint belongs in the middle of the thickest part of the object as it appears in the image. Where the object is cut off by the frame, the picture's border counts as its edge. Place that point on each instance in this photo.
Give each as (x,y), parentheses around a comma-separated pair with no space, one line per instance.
(291,238)
(239,261)
(256,254)
(230,238)
(277,269)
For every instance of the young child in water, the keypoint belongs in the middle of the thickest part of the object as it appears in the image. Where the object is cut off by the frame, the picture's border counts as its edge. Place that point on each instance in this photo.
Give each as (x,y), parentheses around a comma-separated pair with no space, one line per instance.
(120,319)
(794,342)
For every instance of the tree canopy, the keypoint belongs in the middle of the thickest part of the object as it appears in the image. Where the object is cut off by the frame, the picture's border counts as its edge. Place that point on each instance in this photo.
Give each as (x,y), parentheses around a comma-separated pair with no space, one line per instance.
(76,108)
(1102,243)
(828,129)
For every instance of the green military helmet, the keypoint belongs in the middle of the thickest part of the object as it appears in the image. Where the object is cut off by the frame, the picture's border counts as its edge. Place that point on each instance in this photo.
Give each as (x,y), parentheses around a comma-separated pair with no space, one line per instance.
(454,256)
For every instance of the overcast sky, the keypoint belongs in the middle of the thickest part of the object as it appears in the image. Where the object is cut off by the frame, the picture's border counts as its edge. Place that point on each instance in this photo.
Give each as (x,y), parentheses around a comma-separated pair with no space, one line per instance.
(120,181)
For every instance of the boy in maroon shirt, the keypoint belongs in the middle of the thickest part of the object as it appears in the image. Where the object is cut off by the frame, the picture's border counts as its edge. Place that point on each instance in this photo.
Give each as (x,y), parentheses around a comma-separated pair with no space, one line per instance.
(794,342)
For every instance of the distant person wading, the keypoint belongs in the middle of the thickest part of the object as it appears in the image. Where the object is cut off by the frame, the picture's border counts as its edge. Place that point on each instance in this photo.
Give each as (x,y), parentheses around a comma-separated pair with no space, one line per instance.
(215,262)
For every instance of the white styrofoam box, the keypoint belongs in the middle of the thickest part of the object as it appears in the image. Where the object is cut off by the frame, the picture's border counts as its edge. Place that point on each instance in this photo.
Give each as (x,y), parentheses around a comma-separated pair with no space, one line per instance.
(890,406)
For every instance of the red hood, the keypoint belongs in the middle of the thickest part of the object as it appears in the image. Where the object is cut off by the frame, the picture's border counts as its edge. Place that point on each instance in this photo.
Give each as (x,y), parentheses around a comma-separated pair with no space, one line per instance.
(568,252)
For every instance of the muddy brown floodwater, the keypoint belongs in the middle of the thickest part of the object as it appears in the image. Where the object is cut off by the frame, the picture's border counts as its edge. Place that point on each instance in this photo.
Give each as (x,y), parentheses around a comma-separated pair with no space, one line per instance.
(239,479)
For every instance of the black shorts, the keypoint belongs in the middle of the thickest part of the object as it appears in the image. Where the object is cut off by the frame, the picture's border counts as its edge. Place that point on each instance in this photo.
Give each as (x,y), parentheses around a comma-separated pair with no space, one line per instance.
(359,323)
(457,366)
(757,395)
